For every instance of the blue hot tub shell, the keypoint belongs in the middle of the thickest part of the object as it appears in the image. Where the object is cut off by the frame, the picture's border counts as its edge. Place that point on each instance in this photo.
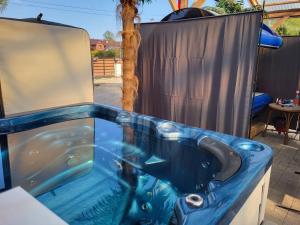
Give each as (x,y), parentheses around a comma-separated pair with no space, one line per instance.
(223,198)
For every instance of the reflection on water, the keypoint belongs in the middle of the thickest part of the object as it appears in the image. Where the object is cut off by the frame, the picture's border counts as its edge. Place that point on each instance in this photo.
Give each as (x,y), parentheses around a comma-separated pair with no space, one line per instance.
(91,171)
(43,157)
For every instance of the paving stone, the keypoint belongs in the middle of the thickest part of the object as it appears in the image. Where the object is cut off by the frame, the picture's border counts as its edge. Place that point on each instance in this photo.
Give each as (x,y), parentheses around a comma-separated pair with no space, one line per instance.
(296,204)
(269,223)
(278,215)
(284,184)
(292,219)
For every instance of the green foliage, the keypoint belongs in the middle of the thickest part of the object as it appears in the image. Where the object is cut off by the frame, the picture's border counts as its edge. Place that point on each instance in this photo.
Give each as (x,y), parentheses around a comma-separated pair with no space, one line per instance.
(241,2)
(144,1)
(108,35)
(290,27)
(3,2)
(281,30)
(218,10)
(254,8)
(293,26)
(230,6)
(112,53)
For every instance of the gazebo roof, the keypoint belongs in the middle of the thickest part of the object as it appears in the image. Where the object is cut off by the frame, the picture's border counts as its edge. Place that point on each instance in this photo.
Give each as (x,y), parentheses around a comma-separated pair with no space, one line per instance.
(274,8)
(279,8)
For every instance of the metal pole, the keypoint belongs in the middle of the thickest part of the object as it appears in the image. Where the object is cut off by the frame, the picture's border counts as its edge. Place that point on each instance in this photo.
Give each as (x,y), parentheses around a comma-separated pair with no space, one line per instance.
(256,69)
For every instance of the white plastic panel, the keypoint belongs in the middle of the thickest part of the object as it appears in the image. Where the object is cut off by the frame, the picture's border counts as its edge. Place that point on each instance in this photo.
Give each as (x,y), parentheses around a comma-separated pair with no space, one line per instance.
(2,184)
(43,66)
(253,210)
(18,207)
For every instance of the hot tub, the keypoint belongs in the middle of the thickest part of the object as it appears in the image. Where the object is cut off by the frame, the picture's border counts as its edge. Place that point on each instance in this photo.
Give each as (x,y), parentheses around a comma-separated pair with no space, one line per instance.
(95,164)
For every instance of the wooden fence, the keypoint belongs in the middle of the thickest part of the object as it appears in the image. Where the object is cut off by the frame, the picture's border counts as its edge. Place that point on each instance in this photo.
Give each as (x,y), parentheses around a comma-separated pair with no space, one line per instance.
(104,67)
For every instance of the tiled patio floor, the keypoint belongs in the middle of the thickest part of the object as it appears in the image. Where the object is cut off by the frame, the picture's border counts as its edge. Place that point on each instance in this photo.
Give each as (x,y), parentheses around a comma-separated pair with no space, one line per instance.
(284,184)
(109,94)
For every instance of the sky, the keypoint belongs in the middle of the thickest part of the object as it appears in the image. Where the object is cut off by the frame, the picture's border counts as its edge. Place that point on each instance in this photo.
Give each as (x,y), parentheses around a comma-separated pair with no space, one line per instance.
(96,16)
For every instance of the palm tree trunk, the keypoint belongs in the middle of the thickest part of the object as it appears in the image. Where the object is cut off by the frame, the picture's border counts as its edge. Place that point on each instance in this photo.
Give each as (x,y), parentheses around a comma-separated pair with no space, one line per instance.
(130,45)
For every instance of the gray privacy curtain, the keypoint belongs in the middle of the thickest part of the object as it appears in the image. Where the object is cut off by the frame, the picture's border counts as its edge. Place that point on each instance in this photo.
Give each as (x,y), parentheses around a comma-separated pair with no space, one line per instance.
(200,71)
(279,69)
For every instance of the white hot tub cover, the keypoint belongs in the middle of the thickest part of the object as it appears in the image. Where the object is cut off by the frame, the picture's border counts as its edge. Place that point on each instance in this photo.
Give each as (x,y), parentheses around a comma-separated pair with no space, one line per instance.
(43,66)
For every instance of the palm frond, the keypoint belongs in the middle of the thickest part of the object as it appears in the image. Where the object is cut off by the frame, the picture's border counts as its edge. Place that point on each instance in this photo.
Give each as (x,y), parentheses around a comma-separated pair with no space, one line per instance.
(3,4)
(144,1)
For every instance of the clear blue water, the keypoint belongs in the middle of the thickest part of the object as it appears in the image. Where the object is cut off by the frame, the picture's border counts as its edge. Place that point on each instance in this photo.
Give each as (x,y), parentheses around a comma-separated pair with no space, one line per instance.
(92,171)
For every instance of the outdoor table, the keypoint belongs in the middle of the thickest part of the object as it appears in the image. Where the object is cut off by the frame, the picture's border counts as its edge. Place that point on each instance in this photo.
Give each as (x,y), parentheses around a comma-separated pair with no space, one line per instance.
(289,113)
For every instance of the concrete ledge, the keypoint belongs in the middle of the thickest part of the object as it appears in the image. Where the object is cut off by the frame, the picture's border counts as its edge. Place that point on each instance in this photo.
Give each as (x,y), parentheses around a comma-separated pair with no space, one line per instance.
(107,80)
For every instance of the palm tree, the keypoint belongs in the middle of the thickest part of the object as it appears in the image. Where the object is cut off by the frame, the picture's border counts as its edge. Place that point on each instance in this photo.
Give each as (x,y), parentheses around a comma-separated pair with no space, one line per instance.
(130,44)
(3,4)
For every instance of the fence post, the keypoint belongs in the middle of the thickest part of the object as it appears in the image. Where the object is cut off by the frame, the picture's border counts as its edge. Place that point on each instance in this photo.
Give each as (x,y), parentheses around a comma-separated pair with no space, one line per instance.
(103,62)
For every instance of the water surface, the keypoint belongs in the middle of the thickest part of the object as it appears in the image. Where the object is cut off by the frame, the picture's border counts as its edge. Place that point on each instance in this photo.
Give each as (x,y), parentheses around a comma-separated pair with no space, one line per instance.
(92,171)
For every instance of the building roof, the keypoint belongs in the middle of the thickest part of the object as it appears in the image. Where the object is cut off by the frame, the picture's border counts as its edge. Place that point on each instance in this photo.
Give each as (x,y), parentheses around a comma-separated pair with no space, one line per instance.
(108,44)
(279,8)
(96,41)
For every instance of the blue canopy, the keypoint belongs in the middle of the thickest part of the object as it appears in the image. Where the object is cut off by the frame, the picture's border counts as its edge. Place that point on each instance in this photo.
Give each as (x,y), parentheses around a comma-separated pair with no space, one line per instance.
(269,38)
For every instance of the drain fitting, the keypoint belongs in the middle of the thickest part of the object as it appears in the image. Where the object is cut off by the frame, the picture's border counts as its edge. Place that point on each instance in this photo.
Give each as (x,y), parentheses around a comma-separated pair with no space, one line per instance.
(194,200)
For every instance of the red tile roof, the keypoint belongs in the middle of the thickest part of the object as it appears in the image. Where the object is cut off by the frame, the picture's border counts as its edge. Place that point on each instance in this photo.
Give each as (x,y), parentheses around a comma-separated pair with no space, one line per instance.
(106,43)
